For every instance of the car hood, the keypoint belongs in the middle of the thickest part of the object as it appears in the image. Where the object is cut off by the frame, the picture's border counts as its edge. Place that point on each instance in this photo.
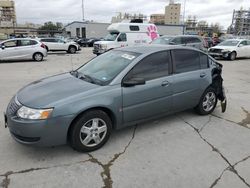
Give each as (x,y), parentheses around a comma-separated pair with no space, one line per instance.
(224,47)
(46,92)
(104,42)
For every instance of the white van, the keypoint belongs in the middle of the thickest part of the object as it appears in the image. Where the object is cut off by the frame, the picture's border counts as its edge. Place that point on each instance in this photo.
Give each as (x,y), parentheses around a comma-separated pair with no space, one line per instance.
(126,34)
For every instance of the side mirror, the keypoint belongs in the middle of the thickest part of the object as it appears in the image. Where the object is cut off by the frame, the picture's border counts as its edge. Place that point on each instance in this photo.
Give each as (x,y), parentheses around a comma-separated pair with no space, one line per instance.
(3,47)
(133,82)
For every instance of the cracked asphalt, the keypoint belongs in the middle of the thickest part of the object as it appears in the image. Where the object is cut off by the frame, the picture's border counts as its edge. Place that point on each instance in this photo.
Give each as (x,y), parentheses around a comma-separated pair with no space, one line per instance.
(181,150)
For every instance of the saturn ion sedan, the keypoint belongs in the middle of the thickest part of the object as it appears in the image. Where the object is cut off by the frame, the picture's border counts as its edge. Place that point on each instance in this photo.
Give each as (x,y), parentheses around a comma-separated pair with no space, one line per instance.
(119,88)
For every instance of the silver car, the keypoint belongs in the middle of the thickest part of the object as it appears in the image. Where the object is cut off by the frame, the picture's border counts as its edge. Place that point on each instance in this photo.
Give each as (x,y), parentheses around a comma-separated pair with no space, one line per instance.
(119,88)
(22,49)
(183,40)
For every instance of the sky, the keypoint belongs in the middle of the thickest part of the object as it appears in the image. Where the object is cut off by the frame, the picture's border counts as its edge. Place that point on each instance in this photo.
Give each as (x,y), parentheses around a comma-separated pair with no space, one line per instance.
(65,11)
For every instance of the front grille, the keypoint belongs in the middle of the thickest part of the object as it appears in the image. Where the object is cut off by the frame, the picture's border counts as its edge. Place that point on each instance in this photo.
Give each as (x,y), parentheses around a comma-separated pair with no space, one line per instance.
(214,50)
(13,106)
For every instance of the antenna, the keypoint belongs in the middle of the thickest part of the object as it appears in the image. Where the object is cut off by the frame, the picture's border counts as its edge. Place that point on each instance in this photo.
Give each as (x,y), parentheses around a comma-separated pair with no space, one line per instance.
(83,10)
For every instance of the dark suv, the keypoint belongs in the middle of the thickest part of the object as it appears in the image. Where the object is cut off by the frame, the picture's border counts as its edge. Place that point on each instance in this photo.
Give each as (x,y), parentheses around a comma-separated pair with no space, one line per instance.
(184,40)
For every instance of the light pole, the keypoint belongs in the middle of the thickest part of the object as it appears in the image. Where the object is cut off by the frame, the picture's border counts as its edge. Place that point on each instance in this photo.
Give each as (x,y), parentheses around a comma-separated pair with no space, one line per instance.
(83,10)
(184,12)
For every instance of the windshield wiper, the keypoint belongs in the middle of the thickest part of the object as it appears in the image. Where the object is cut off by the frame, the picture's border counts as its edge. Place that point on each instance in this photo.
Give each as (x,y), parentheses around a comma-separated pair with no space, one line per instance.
(90,79)
(74,73)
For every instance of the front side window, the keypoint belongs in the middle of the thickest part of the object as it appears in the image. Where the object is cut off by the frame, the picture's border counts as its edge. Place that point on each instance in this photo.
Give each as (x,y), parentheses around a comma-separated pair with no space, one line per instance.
(122,37)
(186,60)
(111,37)
(104,68)
(10,44)
(243,43)
(151,67)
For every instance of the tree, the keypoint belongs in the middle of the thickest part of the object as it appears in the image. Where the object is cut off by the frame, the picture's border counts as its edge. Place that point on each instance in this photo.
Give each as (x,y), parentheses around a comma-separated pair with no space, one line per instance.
(50,28)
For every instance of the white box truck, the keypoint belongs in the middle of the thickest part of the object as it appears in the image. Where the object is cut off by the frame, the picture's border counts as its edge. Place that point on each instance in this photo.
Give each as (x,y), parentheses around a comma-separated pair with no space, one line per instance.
(126,34)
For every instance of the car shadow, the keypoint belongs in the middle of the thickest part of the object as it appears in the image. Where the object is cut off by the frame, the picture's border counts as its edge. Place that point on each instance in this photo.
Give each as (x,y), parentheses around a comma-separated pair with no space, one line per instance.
(20,61)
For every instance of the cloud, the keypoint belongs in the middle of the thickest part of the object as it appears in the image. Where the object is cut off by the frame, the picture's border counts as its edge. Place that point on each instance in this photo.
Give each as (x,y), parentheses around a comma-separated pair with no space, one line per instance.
(65,11)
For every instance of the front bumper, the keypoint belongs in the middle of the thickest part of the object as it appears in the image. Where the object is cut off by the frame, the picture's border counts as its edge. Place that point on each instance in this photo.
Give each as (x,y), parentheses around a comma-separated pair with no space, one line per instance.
(46,133)
(99,51)
(221,54)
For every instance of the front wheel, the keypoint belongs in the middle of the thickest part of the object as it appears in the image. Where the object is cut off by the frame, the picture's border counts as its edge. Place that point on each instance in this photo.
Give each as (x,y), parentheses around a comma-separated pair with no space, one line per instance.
(72,50)
(91,131)
(207,102)
(232,56)
(38,56)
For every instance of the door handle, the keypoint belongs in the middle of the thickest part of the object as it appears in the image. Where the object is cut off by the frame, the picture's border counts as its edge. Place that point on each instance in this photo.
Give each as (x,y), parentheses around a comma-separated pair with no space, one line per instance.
(203,74)
(165,83)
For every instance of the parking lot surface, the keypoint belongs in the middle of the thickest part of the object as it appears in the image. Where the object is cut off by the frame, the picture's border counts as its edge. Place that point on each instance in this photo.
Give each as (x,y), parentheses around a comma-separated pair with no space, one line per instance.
(181,150)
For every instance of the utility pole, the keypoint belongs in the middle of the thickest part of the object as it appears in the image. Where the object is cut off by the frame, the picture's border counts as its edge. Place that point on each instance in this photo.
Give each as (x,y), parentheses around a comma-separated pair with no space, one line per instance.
(184,12)
(83,10)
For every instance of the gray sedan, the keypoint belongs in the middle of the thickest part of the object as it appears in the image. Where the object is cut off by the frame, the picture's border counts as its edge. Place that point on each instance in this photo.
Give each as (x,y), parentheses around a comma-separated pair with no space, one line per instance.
(119,88)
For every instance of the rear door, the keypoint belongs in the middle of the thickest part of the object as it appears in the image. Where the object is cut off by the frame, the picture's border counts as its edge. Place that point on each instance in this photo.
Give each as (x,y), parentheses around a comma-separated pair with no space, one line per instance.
(9,51)
(153,98)
(25,48)
(186,79)
(243,49)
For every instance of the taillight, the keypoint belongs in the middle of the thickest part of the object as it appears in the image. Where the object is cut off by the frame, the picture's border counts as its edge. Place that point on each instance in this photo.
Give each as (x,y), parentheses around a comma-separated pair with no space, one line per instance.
(43,46)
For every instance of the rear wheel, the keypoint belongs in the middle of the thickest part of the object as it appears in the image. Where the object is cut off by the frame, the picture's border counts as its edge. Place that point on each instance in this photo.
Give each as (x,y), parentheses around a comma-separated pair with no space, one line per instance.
(38,56)
(207,102)
(91,131)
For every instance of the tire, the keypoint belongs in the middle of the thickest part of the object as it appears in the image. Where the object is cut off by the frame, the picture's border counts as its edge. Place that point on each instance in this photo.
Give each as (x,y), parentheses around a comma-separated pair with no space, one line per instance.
(232,56)
(207,102)
(38,56)
(72,50)
(83,134)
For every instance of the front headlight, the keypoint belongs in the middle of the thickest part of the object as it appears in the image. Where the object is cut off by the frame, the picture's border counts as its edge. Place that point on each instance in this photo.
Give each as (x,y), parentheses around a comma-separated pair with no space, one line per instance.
(104,46)
(29,113)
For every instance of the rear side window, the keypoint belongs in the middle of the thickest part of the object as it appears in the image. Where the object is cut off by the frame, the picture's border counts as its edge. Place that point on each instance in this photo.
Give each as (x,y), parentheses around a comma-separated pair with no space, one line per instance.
(134,28)
(177,40)
(204,61)
(152,67)
(186,60)
(188,40)
(48,40)
(27,42)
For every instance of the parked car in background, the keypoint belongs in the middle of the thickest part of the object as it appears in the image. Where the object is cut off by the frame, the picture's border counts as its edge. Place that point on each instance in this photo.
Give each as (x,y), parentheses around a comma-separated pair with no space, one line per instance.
(22,49)
(231,49)
(56,44)
(87,42)
(184,40)
(126,34)
(119,88)
(209,42)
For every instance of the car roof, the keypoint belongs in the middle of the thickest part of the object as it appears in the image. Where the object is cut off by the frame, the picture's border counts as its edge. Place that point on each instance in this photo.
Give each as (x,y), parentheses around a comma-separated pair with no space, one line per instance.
(18,39)
(151,48)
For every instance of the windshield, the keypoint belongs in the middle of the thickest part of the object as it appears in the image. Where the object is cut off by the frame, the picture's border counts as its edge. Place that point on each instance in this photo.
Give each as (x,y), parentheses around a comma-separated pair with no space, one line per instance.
(162,40)
(111,36)
(229,43)
(104,68)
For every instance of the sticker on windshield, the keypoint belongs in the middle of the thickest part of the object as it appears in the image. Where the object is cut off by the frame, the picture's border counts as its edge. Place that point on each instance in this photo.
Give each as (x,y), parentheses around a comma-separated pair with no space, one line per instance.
(127,56)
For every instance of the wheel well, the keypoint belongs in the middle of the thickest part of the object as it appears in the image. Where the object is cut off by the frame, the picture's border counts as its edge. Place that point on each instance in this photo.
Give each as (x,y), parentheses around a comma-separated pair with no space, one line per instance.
(106,110)
(72,46)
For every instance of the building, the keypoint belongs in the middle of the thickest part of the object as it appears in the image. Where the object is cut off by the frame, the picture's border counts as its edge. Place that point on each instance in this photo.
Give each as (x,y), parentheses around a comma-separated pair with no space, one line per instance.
(157,18)
(171,16)
(86,29)
(7,17)
(127,17)
(240,22)
(99,30)
(172,13)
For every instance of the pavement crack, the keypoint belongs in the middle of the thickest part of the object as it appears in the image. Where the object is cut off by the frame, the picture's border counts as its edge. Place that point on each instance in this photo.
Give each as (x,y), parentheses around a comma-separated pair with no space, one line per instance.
(209,120)
(106,173)
(230,167)
(244,159)
(218,179)
(245,122)
(242,123)
(6,181)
